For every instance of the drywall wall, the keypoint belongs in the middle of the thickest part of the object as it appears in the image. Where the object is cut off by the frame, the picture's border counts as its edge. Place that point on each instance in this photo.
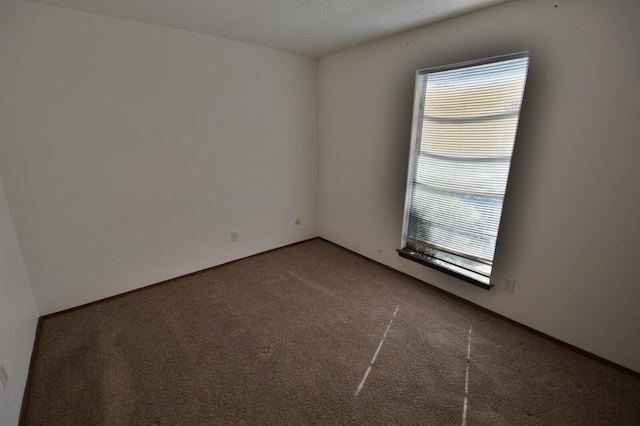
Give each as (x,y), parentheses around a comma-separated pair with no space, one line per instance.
(570,225)
(18,318)
(130,152)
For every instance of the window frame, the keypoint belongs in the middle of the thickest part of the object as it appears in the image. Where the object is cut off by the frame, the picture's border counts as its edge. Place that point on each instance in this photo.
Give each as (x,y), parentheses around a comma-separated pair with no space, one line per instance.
(457,271)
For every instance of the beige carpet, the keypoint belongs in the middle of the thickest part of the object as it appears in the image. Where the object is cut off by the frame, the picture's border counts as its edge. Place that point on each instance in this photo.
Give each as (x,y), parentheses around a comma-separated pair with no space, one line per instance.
(285,338)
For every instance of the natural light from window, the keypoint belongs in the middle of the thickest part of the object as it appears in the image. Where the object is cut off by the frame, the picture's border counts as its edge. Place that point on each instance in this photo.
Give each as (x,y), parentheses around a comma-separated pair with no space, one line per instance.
(465,121)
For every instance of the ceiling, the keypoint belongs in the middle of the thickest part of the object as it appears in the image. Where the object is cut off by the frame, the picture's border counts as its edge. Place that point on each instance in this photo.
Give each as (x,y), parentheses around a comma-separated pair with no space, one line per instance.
(308,27)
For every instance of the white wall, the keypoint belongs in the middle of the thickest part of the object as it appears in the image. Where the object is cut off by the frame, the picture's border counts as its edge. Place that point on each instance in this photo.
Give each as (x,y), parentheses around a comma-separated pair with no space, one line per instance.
(129,151)
(571,232)
(18,318)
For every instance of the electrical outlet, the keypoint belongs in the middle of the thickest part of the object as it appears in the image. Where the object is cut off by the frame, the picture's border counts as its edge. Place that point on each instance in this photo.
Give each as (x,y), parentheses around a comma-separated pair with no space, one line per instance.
(3,376)
(509,283)
(234,237)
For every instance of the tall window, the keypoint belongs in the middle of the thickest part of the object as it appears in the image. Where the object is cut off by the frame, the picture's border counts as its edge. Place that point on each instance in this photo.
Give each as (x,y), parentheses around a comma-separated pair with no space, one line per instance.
(464,128)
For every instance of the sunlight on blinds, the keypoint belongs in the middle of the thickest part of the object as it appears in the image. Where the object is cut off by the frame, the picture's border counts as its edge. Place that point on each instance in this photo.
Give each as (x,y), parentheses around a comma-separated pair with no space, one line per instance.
(465,134)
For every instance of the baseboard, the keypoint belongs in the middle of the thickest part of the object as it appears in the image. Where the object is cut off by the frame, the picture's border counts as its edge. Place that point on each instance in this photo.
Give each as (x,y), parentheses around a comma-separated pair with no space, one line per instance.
(497,315)
(147,287)
(27,389)
(34,353)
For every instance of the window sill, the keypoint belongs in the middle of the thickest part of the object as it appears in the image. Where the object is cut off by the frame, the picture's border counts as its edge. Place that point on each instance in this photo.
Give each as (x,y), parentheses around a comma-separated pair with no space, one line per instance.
(468,276)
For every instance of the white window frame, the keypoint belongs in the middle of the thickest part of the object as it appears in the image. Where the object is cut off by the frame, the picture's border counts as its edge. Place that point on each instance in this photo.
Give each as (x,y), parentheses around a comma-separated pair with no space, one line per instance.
(479,276)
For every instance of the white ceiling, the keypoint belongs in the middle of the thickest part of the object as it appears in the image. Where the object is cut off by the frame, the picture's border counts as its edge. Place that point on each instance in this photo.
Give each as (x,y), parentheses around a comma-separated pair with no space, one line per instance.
(309,27)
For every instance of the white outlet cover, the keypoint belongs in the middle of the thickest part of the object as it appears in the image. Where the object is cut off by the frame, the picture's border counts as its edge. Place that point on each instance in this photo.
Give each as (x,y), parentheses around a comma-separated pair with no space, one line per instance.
(509,283)
(3,376)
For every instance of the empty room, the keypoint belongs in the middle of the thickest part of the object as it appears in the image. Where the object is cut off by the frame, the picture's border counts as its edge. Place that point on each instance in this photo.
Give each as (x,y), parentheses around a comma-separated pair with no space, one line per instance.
(319,212)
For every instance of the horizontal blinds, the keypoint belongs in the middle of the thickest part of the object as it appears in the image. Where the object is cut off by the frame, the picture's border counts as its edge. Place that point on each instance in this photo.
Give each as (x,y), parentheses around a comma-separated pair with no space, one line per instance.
(467,124)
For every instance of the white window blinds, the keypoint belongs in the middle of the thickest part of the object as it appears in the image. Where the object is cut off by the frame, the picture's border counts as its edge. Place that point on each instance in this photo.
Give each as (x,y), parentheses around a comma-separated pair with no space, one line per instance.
(463,136)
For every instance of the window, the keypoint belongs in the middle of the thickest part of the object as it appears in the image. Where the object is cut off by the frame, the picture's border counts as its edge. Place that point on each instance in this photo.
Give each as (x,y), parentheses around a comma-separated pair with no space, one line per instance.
(464,128)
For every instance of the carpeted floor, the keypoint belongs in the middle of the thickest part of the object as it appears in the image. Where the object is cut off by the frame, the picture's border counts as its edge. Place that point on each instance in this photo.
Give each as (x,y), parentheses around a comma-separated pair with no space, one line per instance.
(286,338)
